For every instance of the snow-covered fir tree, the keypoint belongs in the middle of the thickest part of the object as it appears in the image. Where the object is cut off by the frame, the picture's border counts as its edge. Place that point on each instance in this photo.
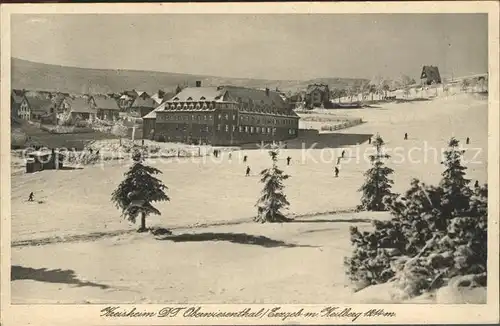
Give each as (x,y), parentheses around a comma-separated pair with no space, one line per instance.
(138,190)
(455,186)
(273,200)
(377,185)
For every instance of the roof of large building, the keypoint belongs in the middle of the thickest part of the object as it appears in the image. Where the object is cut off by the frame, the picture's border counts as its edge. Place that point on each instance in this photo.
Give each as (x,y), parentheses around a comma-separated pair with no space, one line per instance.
(152,114)
(196,94)
(250,100)
(104,102)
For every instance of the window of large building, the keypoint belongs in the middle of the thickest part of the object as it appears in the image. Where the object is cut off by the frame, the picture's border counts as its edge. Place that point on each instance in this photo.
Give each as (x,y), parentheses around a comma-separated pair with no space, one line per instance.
(234,116)
(263,130)
(219,116)
(227,117)
(258,129)
(246,129)
(218,127)
(268,130)
(234,128)
(251,130)
(227,128)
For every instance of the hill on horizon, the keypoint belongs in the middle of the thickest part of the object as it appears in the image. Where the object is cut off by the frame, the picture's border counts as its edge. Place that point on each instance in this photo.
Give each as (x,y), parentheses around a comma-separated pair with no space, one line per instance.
(47,77)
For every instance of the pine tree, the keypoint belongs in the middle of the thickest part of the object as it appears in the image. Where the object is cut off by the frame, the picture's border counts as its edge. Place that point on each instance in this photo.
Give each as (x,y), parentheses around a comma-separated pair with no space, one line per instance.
(272,200)
(377,185)
(455,186)
(138,190)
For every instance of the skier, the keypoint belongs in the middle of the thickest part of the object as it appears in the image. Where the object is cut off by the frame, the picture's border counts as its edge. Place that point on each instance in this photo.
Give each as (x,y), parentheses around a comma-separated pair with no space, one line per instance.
(336,172)
(342,155)
(244,158)
(406,136)
(338,160)
(30,198)
(248,171)
(476,184)
(230,156)
(467,141)
(288,160)
(369,140)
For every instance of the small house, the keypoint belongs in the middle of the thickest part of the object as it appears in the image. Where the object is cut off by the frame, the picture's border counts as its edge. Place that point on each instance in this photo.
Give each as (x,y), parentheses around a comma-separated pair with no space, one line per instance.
(107,108)
(430,75)
(42,109)
(19,106)
(142,106)
(317,95)
(83,108)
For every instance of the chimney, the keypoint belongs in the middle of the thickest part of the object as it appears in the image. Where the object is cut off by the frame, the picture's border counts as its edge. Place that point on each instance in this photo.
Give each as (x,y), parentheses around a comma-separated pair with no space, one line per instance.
(198,83)
(267,91)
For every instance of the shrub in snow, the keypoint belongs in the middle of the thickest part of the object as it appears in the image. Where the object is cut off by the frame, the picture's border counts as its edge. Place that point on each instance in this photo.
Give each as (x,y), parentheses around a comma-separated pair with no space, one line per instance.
(377,185)
(138,190)
(435,234)
(273,200)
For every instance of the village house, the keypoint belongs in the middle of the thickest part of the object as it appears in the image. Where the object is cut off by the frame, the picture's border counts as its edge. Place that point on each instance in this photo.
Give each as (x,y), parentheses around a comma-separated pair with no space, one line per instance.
(317,95)
(225,115)
(41,108)
(161,96)
(82,107)
(107,108)
(430,75)
(141,106)
(19,106)
(128,97)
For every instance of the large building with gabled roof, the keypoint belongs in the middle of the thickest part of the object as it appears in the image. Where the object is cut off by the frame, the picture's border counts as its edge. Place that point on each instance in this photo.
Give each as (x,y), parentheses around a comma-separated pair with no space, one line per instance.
(224,115)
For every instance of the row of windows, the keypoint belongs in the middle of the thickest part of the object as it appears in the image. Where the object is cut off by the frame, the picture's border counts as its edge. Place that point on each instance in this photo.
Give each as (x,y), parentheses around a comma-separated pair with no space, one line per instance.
(252,130)
(205,117)
(253,119)
(192,117)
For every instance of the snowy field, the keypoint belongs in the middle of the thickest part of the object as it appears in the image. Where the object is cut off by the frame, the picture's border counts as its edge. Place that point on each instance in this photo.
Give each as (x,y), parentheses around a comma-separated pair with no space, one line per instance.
(217,253)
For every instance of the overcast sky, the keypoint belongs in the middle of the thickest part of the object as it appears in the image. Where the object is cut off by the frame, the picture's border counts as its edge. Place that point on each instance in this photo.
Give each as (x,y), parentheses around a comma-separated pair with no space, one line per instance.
(290,46)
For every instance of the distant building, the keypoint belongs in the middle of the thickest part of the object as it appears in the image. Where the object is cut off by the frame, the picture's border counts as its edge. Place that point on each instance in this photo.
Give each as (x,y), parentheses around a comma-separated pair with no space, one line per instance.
(225,115)
(42,108)
(142,105)
(430,75)
(19,106)
(106,108)
(82,107)
(317,95)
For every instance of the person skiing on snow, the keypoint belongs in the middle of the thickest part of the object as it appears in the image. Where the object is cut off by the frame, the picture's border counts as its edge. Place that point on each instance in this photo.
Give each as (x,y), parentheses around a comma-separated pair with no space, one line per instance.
(288,160)
(467,141)
(247,172)
(30,198)
(406,136)
(244,158)
(336,172)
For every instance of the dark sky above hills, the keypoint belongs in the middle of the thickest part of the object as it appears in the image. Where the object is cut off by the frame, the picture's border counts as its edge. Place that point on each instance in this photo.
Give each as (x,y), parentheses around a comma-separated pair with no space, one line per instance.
(283,47)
